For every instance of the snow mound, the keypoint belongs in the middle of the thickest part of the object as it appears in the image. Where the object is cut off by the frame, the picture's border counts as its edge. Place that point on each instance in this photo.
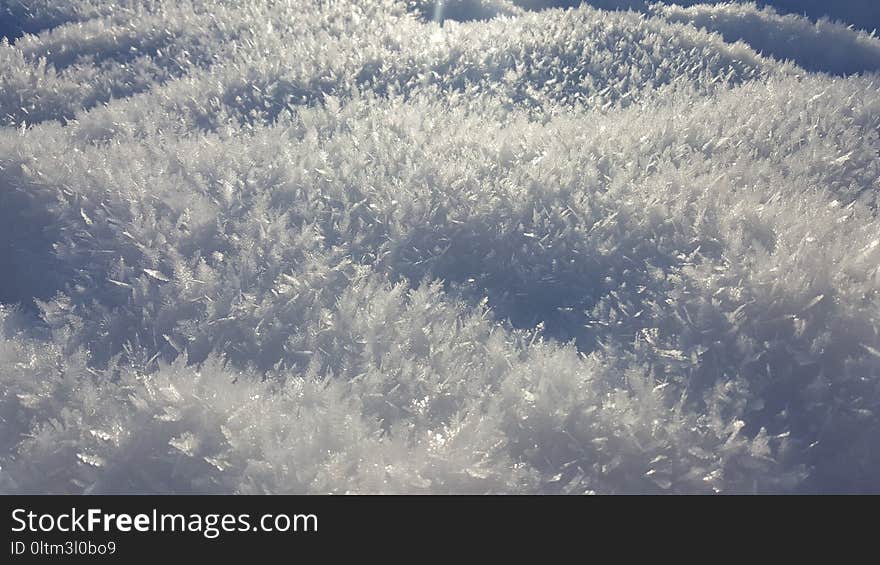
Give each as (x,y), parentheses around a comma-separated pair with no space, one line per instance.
(300,247)
(823,46)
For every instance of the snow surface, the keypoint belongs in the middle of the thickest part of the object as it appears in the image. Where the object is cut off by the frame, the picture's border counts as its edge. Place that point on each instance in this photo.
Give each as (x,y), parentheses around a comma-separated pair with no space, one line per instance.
(323,246)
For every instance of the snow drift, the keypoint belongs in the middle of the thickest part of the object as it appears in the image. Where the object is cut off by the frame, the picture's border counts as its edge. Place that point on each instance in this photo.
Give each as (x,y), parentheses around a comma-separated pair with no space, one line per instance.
(310,247)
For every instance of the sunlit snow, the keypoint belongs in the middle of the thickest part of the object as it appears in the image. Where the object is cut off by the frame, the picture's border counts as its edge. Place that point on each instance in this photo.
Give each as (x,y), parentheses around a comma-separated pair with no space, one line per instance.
(549,247)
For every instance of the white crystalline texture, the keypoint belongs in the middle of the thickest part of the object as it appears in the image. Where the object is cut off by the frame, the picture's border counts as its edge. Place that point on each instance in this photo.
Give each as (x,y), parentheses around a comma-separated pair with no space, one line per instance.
(330,247)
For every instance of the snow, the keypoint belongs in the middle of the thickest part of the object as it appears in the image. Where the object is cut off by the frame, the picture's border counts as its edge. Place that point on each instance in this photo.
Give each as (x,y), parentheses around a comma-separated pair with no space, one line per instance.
(311,247)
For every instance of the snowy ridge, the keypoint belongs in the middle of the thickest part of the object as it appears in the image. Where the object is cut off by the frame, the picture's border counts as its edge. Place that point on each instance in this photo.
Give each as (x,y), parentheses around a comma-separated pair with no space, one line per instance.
(320,246)
(825,46)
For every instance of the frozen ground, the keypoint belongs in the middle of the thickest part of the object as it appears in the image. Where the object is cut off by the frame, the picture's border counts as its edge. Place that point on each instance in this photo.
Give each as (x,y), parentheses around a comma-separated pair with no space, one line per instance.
(331,246)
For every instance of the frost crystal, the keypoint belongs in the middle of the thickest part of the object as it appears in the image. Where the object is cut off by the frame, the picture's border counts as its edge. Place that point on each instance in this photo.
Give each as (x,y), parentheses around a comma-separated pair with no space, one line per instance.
(377,246)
